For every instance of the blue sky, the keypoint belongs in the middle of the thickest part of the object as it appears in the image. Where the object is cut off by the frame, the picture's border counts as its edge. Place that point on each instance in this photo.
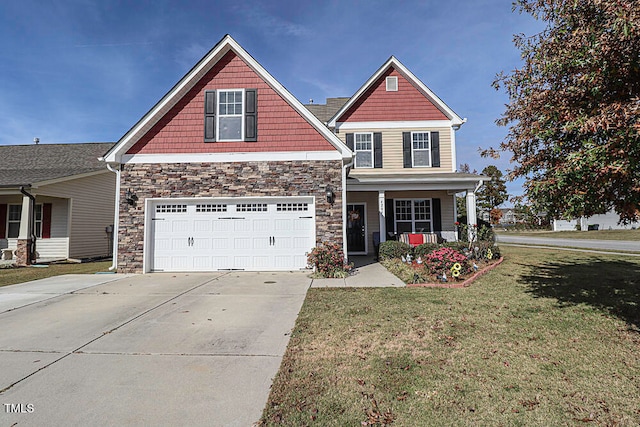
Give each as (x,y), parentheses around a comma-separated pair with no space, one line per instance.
(86,71)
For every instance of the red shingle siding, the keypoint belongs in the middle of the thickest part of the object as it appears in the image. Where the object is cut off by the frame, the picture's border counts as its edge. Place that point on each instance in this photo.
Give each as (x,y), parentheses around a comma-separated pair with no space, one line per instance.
(280,127)
(378,105)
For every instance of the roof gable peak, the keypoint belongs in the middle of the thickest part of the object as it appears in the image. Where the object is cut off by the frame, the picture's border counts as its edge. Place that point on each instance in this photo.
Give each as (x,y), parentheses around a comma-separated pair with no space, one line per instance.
(394,63)
(226,44)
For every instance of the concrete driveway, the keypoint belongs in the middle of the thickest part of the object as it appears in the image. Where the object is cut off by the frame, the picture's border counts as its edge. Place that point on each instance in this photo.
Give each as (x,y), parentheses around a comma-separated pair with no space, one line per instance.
(159,349)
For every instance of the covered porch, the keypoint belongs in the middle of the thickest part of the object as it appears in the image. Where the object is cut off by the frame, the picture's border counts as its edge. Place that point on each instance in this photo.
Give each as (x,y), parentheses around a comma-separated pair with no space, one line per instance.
(385,207)
(28,218)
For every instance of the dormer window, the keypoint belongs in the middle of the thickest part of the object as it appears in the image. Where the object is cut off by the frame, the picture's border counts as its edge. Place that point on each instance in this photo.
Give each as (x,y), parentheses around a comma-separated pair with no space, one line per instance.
(230,115)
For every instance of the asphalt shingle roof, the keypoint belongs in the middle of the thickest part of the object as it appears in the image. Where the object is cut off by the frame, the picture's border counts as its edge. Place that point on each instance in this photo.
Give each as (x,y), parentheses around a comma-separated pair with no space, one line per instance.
(325,111)
(29,164)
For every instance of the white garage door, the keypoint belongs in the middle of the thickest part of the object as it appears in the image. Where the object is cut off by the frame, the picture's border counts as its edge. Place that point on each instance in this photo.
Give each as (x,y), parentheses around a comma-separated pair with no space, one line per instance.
(231,234)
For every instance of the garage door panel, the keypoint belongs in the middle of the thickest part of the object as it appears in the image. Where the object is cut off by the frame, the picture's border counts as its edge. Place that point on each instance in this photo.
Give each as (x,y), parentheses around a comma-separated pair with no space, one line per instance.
(180,262)
(241,225)
(242,243)
(180,226)
(302,224)
(301,243)
(220,243)
(202,226)
(209,235)
(219,225)
(261,225)
(178,244)
(261,243)
(283,224)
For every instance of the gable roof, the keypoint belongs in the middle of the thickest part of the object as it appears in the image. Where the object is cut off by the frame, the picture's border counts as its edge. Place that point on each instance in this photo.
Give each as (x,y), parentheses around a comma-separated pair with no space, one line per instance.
(28,165)
(193,77)
(392,62)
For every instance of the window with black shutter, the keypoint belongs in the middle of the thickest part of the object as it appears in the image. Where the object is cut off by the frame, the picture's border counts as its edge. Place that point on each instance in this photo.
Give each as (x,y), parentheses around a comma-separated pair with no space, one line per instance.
(421,149)
(231,115)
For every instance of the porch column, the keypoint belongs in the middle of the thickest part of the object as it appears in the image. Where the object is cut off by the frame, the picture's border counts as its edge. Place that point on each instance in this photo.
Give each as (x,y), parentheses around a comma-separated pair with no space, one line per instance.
(23,248)
(382,216)
(472,219)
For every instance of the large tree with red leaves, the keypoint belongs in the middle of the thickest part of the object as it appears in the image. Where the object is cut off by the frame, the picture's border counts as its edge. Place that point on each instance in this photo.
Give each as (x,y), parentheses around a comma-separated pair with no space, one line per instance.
(573,114)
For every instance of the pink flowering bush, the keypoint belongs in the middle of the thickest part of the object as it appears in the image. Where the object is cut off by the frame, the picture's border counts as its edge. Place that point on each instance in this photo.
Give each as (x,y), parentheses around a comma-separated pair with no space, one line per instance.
(328,260)
(443,259)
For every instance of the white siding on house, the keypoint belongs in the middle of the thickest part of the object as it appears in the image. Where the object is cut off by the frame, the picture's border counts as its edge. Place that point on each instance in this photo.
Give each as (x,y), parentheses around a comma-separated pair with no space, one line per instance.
(54,248)
(91,207)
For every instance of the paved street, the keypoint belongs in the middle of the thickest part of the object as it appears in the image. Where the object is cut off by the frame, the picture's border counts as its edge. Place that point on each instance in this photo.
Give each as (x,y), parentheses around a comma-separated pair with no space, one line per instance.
(605,245)
(160,349)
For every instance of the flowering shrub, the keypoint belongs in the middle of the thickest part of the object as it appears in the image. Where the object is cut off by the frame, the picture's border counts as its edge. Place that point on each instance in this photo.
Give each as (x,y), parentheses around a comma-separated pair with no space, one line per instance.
(443,259)
(328,260)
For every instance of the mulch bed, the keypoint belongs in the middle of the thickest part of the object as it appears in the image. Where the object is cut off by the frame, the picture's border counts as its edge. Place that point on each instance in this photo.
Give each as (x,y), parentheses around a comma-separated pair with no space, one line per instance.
(463,284)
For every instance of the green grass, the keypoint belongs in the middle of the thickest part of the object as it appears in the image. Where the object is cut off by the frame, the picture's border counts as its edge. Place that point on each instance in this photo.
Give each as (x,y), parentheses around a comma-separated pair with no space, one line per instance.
(633,235)
(547,338)
(11,276)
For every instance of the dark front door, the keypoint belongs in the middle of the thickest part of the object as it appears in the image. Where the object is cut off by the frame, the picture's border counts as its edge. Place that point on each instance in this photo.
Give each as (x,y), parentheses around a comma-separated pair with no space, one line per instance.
(356,229)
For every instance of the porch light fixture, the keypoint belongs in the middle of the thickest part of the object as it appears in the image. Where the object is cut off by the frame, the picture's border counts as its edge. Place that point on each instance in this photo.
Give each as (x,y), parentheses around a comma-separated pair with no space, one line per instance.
(130,198)
(331,197)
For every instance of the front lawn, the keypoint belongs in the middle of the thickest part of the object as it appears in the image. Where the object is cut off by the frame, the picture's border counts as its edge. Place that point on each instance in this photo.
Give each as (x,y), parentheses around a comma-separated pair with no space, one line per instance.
(546,338)
(11,276)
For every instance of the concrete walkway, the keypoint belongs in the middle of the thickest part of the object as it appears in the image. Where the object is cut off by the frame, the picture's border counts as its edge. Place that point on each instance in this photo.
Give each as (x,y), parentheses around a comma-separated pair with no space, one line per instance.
(368,274)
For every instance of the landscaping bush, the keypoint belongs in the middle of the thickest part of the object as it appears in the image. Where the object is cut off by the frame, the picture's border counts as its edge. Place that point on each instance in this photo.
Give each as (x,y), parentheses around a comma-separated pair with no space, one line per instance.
(393,249)
(328,260)
(424,249)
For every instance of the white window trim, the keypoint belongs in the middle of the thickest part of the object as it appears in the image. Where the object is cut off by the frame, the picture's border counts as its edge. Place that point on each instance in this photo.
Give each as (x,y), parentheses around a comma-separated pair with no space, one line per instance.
(391,87)
(35,221)
(413,157)
(219,116)
(356,151)
(413,214)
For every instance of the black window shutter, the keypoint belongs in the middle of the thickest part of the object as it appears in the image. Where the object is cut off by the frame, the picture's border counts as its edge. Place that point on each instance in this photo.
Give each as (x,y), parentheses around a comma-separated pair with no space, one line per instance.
(435,149)
(377,149)
(349,139)
(3,221)
(251,115)
(436,214)
(390,216)
(406,149)
(210,116)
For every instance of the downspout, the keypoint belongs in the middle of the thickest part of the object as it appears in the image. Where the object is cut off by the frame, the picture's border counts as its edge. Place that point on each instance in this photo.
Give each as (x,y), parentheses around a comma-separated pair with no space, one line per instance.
(32,226)
(344,205)
(116,219)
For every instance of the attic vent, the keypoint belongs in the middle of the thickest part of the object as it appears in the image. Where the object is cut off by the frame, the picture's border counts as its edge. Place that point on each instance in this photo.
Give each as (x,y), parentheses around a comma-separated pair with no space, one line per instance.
(392,84)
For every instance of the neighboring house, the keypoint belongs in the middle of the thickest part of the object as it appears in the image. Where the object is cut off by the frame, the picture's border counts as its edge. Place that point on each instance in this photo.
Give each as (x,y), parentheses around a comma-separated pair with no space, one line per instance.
(73,200)
(509,216)
(230,171)
(608,221)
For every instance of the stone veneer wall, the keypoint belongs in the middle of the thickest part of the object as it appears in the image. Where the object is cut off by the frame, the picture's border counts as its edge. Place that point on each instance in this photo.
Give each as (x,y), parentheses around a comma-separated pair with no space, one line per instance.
(22,253)
(239,179)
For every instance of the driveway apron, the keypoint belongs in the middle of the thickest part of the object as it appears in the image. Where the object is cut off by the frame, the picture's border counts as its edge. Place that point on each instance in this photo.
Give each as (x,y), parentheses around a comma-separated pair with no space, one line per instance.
(158,349)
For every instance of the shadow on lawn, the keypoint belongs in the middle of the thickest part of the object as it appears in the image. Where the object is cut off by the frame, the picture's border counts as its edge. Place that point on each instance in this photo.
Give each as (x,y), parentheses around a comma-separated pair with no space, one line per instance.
(610,286)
